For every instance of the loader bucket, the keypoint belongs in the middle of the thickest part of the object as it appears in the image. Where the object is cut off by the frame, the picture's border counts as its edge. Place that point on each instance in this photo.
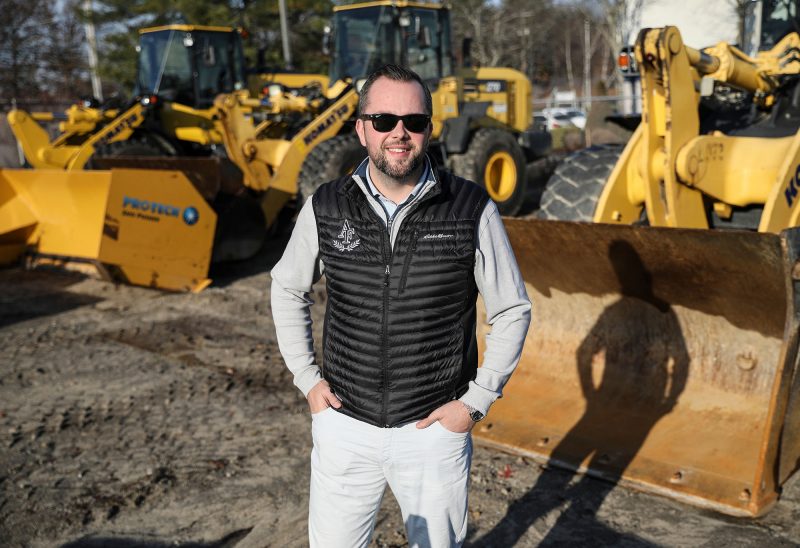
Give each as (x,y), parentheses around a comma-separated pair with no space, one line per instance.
(142,227)
(661,358)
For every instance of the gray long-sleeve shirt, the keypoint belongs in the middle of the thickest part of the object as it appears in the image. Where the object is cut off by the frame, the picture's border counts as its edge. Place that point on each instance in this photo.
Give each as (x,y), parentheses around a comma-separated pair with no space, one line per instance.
(496,275)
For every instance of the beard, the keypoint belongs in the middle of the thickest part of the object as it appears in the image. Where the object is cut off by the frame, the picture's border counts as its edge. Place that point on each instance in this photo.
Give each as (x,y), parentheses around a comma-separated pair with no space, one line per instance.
(399,170)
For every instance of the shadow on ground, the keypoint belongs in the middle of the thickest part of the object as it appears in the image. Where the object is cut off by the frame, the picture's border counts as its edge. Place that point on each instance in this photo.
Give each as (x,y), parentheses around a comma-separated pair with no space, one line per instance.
(224,274)
(29,294)
(228,541)
(576,525)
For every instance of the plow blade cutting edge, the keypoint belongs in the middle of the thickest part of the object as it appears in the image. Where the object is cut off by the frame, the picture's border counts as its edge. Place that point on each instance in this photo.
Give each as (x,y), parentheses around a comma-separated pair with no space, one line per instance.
(664,359)
(143,227)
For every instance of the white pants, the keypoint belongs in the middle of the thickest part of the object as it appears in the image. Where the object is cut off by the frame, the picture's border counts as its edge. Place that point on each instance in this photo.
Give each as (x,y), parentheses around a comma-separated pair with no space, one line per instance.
(351,464)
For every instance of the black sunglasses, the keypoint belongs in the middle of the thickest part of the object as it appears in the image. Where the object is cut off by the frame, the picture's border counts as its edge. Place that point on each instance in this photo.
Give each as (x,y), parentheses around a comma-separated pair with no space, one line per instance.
(416,123)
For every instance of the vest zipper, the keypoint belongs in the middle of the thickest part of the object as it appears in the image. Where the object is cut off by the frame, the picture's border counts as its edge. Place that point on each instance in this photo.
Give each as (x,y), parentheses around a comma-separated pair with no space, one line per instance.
(388,259)
(412,248)
(385,347)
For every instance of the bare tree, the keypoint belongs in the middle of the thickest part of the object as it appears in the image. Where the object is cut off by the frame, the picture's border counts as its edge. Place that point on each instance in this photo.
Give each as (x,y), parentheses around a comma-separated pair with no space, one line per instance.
(619,22)
(486,25)
(66,75)
(23,39)
(740,8)
(568,57)
(516,33)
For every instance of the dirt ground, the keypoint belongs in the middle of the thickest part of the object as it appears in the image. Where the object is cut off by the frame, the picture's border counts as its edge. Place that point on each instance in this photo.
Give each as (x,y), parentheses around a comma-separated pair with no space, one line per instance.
(131,417)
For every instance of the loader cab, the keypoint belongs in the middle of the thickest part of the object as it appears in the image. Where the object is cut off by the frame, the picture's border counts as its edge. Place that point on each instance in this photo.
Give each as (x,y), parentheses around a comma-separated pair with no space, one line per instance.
(189,65)
(364,38)
(766,22)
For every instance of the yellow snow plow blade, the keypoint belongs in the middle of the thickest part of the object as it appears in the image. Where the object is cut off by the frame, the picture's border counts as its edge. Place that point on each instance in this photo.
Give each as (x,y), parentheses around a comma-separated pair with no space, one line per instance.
(143,227)
(662,358)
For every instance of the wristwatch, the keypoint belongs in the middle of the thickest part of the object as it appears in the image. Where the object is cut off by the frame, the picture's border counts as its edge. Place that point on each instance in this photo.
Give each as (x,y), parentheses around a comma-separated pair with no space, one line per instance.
(474,414)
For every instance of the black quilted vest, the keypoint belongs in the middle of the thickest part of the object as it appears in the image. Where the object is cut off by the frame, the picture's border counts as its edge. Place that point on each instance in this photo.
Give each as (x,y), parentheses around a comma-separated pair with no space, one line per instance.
(399,337)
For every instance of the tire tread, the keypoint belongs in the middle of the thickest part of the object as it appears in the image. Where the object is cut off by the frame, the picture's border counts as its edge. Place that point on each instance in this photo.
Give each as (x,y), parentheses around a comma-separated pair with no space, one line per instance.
(574,188)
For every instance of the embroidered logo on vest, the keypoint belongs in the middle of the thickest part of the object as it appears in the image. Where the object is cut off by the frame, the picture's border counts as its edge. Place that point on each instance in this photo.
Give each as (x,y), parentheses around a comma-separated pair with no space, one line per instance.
(438,236)
(345,241)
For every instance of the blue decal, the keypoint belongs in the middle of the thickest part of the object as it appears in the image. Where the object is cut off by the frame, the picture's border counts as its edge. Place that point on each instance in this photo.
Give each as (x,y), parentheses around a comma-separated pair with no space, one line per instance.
(790,192)
(190,216)
(149,210)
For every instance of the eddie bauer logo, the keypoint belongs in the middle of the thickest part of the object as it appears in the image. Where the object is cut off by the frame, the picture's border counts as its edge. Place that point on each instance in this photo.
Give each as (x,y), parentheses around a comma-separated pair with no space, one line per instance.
(439,236)
(345,242)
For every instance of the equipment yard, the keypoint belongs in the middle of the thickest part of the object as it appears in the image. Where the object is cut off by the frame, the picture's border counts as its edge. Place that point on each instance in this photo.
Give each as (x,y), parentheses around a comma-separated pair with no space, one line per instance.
(663,354)
(133,417)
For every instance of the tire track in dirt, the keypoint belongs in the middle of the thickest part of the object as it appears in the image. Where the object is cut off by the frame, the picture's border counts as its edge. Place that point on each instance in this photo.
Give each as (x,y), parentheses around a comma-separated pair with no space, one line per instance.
(105,410)
(133,416)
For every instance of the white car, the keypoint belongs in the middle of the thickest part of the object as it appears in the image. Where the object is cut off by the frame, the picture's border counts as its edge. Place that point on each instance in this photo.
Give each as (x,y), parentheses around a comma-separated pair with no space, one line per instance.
(558,117)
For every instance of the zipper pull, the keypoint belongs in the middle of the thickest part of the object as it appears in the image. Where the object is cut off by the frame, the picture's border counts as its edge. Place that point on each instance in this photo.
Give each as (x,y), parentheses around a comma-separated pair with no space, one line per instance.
(386,277)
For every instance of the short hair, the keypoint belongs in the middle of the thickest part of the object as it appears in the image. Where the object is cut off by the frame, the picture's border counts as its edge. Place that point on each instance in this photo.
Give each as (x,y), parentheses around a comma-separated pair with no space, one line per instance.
(398,74)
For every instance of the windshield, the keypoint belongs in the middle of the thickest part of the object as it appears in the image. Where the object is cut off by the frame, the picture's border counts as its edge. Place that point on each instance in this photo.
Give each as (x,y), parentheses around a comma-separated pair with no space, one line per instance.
(190,68)
(357,36)
(778,18)
(165,66)
(366,38)
(220,64)
(427,41)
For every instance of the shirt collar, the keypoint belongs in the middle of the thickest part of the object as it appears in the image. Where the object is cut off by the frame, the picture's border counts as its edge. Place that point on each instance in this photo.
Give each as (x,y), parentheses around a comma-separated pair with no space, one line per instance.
(423,178)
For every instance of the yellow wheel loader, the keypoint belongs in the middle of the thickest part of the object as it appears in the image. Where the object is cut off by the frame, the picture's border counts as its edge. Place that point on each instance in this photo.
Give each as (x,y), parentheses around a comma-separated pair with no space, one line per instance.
(171,126)
(481,116)
(181,70)
(664,347)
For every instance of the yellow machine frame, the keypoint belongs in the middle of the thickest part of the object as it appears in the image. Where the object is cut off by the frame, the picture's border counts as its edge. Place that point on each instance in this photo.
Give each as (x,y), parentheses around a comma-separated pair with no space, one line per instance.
(667,167)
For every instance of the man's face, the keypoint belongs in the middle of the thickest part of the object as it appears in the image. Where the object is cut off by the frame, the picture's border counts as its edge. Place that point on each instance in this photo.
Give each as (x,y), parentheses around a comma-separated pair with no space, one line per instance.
(399,152)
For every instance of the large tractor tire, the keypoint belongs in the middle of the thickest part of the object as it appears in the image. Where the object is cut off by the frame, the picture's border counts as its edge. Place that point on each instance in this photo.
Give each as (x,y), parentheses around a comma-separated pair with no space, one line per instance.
(574,189)
(241,227)
(327,161)
(495,161)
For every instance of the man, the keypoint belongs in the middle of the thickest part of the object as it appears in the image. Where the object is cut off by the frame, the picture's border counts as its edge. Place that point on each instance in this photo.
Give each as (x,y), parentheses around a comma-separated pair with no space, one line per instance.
(404,252)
